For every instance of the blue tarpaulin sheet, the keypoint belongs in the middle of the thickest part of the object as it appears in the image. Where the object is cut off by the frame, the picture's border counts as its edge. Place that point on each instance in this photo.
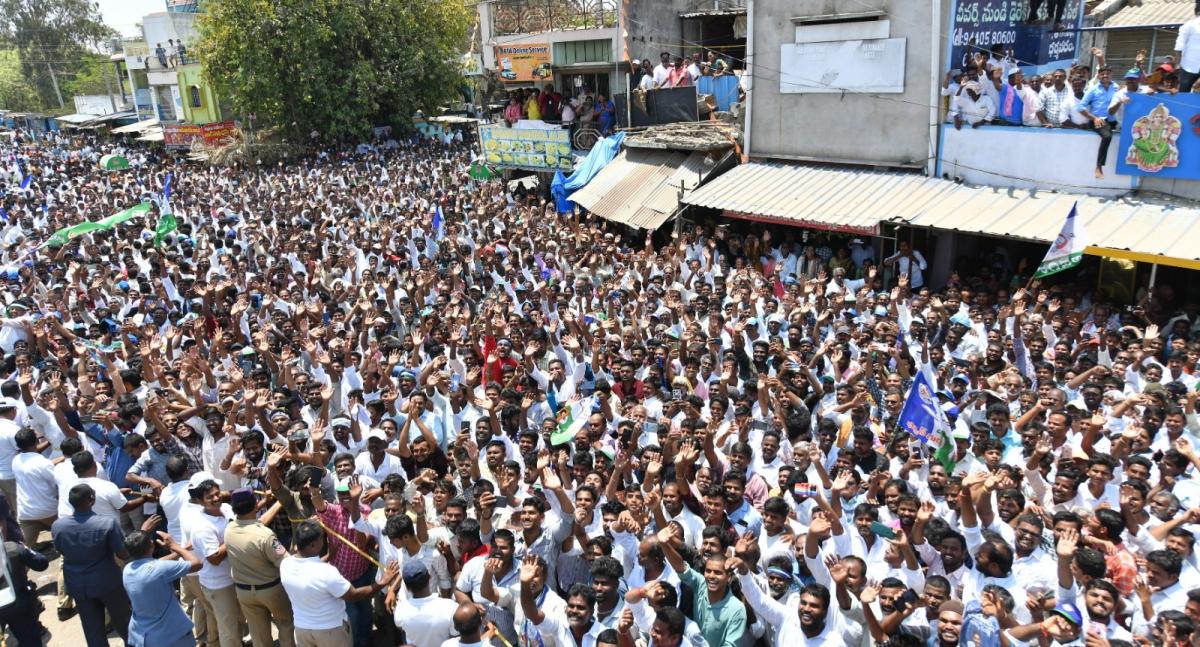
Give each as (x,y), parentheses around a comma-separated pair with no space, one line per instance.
(601,154)
(723,88)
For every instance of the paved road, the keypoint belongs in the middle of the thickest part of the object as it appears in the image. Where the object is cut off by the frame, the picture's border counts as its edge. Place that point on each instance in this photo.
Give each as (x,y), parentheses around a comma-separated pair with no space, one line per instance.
(65,632)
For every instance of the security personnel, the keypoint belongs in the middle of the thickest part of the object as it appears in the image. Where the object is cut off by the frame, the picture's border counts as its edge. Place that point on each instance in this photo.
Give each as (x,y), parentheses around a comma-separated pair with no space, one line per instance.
(254,556)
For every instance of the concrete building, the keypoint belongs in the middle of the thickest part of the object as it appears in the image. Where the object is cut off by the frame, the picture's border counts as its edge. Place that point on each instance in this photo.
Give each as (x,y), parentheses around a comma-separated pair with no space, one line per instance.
(576,46)
(170,88)
(845,81)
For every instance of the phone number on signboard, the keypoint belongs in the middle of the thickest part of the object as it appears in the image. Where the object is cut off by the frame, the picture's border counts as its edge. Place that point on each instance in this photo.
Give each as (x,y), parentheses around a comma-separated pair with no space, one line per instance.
(983,39)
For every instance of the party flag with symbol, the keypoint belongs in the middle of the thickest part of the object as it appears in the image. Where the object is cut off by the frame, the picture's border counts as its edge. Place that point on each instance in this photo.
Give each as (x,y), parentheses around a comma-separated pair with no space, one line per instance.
(925,420)
(1067,249)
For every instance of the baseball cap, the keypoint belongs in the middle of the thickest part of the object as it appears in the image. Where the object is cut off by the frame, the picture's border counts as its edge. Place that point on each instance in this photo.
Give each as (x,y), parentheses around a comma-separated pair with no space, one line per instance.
(415,574)
(241,494)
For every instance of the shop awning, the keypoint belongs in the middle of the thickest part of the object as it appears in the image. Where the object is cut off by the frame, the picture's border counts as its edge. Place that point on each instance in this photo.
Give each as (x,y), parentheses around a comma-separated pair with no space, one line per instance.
(77,119)
(844,200)
(155,135)
(640,188)
(857,201)
(135,127)
(115,116)
(1151,13)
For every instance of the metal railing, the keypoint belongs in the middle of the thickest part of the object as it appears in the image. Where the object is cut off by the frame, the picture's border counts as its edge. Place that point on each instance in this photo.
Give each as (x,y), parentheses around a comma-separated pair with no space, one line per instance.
(511,17)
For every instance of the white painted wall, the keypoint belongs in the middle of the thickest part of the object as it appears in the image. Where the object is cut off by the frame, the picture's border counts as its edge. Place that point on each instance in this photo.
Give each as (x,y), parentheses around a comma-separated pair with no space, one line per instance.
(1030,158)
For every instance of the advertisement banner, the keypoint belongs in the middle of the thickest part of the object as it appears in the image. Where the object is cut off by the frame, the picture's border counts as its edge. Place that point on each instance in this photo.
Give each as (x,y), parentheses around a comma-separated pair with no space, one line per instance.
(526,63)
(977,25)
(181,136)
(537,149)
(1160,136)
(218,134)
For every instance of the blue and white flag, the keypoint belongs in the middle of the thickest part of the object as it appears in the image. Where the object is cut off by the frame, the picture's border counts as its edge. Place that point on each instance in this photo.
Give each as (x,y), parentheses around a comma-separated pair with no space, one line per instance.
(925,420)
(439,223)
(22,180)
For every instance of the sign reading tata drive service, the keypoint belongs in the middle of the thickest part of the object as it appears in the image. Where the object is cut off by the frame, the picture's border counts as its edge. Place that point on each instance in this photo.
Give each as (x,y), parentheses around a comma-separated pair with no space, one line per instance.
(1160,136)
(977,25)
(538,149)
(523,63)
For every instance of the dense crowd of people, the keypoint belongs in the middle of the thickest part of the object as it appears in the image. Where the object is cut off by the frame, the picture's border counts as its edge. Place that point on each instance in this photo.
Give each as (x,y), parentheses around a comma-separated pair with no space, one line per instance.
(358,399)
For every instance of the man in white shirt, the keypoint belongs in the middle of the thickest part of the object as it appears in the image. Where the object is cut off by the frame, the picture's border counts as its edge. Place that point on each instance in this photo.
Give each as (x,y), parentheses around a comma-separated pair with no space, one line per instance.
(319,593)
(909,261)
(427,619)
(972,107)
(83,468)
(662,70)
(1187,52)
(1122,97)
(37,503)
(8,447)
(207,532)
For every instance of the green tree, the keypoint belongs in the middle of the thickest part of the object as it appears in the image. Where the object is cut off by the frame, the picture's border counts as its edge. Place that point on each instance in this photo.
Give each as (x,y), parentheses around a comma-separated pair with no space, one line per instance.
(15,92)
(332,66)
(52,37)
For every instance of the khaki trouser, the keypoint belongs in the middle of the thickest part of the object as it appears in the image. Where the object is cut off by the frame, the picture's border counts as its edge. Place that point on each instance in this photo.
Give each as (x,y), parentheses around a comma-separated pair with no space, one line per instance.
(260,607)
(337,637)
(223,605)
(32,528)
(64,601)
(193,602)
(9,488)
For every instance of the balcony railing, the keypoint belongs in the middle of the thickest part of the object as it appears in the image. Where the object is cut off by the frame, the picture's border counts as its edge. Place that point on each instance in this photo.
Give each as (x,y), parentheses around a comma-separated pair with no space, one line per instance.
(512,17)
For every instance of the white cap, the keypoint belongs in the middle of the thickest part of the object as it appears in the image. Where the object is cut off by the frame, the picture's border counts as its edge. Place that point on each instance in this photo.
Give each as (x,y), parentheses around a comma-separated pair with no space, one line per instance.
(200,477)
(377,433)
(9,403)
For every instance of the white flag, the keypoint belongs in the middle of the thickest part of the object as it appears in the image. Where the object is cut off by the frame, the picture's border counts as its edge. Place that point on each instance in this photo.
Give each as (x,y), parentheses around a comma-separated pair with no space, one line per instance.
(1067,250)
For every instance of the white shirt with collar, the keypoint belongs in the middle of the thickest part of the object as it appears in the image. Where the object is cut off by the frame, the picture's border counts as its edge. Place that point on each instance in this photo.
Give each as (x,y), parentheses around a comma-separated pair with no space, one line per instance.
(427,621)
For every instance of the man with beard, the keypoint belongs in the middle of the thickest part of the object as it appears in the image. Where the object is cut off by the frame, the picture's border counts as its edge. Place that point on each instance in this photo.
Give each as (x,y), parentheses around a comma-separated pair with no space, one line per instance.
(720,615)
(949,624)
(813,623)
(578,629)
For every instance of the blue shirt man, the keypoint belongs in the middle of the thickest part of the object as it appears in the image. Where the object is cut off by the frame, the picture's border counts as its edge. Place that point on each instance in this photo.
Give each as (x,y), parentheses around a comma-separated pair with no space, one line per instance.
(158,618)
(1096,100)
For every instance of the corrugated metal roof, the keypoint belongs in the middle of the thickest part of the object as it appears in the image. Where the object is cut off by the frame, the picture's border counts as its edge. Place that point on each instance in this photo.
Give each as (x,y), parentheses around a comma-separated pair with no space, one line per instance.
(858,200)
(1154,13)
(640,187)
(77,118)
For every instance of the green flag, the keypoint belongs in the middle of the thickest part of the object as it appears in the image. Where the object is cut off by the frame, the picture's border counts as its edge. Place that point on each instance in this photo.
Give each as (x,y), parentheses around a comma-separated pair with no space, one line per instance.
(166,225)
(67,234)
(571,418)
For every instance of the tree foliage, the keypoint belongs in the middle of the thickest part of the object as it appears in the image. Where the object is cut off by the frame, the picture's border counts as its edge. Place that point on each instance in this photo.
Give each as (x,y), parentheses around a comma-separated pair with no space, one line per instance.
(15,92)
(337,67)
(52,37)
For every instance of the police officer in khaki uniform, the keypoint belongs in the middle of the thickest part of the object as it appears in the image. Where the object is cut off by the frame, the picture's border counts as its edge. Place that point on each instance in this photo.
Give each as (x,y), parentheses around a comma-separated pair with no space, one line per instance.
(254,556)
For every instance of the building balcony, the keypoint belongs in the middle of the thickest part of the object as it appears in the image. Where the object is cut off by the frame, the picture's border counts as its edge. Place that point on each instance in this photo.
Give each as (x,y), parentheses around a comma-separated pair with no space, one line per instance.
(512,17)
(1045,159)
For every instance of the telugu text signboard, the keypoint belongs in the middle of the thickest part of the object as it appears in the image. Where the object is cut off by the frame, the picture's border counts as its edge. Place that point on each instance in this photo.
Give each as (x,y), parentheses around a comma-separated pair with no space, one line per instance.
(538,149)
(1160,137)
(977,25)
(218,134)
(526,63)
(181,135)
